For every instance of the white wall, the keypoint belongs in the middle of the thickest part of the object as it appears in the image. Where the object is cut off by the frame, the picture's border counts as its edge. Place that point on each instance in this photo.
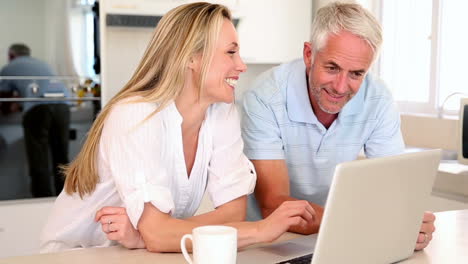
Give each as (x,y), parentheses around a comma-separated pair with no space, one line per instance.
(121,51)
(273,31)
(22,21)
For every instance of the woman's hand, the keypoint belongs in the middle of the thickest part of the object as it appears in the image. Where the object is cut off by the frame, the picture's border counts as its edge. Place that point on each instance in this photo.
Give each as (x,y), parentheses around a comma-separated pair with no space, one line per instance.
(289,213)
(117,226)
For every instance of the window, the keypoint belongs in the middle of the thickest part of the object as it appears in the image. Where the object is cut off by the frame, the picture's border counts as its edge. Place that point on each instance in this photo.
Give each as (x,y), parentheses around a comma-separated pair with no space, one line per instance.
(453,51)
(424,53)
(81,23)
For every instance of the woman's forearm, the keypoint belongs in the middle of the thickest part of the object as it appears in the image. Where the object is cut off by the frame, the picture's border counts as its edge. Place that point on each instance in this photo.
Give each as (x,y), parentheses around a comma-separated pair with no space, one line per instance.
(233,211)
(162,233)
(165,236)
(248,233)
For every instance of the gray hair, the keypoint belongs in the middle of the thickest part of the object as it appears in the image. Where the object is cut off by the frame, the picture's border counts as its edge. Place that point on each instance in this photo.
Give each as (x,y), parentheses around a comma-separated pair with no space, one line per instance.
(351,17)
(19,49)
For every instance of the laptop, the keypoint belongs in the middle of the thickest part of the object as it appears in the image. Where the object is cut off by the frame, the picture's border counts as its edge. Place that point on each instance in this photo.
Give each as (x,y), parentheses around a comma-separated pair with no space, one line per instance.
(373,214)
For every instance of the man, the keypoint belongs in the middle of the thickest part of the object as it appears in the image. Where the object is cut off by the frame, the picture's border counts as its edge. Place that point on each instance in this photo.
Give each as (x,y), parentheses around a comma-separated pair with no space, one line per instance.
(45,123)
(302,118)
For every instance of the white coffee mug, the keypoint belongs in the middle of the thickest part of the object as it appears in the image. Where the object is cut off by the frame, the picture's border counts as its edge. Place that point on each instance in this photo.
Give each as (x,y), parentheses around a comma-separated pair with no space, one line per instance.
(211,244)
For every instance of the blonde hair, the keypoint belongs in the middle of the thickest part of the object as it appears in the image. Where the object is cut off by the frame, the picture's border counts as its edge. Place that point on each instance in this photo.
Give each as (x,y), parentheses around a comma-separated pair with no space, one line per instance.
(182,33)
(334,17)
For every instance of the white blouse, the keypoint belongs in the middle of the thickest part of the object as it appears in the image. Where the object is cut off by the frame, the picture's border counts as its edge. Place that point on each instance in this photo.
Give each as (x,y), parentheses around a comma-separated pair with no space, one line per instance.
(143,161)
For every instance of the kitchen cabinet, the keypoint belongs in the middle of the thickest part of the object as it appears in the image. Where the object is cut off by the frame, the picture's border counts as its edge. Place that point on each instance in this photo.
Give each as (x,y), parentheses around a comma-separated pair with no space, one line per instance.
(273,31)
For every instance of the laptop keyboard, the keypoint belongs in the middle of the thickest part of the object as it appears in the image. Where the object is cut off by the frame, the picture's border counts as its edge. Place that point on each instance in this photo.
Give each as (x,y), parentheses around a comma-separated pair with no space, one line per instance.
(306,259)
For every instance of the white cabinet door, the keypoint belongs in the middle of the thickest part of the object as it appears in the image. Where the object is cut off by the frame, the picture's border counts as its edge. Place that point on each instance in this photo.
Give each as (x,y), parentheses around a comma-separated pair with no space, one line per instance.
(21,223)
(273,31)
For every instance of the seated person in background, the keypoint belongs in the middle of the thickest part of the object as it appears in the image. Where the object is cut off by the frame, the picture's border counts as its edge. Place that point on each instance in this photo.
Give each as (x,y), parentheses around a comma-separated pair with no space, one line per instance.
(45,124)
(168,135)
(302,118)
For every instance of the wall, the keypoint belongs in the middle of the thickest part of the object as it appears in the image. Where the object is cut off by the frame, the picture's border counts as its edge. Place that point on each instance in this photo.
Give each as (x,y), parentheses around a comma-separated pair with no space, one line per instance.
(273,31)
(22,21)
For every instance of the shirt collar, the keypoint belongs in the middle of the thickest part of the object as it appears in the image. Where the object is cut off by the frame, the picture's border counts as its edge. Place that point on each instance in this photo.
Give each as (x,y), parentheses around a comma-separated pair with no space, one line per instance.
(298,102)
(175,112)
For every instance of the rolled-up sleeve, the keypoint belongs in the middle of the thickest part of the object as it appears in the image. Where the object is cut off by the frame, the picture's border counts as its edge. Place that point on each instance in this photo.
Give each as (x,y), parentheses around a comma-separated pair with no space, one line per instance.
(134,151)
(230,174)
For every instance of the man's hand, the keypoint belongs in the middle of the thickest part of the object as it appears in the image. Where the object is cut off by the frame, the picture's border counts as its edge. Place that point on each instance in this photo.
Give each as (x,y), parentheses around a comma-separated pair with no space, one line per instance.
(288,214)
(312,226)
(425,233)
(272,190)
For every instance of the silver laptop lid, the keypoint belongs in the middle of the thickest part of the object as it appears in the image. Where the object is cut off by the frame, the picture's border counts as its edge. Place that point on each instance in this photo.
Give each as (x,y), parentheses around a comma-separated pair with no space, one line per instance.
(375,209)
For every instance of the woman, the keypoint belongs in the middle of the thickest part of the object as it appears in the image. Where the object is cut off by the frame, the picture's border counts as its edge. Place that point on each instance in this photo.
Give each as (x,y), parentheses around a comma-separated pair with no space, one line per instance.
(168,135)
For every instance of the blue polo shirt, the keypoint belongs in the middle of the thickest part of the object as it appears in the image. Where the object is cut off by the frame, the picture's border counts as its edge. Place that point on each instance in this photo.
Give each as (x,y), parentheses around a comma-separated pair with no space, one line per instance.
(29,66)
(278,123)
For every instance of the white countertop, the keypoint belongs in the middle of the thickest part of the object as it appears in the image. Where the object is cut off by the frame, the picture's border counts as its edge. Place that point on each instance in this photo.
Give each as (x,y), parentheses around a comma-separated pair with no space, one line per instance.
(449,245)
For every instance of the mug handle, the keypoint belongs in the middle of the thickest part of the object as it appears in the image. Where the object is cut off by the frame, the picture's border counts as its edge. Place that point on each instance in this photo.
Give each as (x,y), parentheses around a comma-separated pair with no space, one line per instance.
(184,250)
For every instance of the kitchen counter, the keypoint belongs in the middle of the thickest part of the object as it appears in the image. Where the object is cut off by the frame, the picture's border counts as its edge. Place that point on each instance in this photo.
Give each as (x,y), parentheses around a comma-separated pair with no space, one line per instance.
(448,246)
